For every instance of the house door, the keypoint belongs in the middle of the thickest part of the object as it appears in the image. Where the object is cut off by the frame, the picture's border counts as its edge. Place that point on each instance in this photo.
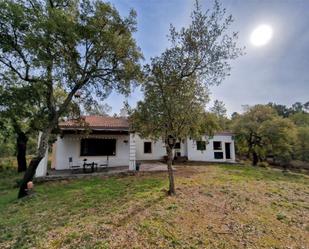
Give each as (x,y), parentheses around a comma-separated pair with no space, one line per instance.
(228,150)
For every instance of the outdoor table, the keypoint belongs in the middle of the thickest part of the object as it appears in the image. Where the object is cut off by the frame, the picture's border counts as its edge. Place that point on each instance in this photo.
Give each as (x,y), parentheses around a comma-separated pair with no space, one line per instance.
(92,165)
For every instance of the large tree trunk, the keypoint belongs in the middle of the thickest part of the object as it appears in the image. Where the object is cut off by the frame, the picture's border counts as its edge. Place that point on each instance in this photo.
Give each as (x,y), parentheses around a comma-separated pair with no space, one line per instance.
(30,172)
(255,158)
(21,145)
(169,151)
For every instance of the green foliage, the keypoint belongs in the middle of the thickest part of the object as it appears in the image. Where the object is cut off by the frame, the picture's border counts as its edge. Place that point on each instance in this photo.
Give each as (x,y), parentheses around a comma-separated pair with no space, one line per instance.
(220,112)
(302,144)
(218,108)
(95,108)
(261,132)
(263,164)
(279,136)
(286,111)
(300,119)
(275,130)
(67,46)
(176,82)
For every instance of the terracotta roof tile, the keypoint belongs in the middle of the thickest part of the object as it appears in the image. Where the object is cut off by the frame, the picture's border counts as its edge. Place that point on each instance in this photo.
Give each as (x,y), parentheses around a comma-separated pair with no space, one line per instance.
(96,122)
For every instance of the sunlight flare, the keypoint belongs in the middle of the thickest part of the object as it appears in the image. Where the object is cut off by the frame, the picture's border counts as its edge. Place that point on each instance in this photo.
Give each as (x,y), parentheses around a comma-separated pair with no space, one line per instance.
(261,35)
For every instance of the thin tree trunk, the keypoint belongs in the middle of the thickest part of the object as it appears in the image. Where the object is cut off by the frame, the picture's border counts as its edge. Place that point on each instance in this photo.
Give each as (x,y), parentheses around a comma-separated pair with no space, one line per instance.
(255,158)
(30,172)
(171,190)
(21,144)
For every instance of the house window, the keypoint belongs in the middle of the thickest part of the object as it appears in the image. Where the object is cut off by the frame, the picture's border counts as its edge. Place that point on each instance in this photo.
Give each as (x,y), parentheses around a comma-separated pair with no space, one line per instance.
(200,145)
(177,145)
(218,155)
(98,147)
(147,147)
(217,145)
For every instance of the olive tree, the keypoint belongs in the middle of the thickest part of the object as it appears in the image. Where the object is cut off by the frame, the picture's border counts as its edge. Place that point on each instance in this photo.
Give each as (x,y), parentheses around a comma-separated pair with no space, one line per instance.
(176,82)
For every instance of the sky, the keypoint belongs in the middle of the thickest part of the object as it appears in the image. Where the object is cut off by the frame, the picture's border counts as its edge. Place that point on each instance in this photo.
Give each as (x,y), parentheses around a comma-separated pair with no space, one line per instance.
(276,72)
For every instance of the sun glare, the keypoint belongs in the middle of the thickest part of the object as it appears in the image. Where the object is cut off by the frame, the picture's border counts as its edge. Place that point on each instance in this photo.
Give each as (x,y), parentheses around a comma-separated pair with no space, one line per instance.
(261,35)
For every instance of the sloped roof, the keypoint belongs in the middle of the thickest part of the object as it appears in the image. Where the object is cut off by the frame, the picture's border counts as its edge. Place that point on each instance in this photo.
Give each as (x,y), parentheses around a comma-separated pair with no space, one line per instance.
(96,122)
(224,133)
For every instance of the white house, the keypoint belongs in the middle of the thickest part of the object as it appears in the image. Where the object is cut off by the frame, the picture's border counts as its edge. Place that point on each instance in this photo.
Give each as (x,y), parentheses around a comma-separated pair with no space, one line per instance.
(108,141)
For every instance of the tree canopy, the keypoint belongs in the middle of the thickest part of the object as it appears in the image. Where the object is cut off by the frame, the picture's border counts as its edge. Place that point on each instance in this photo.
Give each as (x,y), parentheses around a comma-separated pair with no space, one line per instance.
(72,45)
(262,132)
(176,82)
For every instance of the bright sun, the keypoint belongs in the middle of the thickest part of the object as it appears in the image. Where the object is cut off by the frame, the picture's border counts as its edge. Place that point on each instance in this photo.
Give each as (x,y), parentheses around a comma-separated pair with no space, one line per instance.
(261,35)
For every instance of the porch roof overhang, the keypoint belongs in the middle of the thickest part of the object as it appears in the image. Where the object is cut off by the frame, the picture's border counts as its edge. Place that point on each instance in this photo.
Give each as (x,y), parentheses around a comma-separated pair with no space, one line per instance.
(95,125)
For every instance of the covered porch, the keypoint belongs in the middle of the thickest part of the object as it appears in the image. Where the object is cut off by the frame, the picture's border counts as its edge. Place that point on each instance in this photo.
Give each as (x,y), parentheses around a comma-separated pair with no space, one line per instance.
(96,150)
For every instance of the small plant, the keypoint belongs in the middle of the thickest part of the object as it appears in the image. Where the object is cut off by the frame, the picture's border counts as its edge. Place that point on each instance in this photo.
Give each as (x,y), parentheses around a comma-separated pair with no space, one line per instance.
(281,216)
(172,207)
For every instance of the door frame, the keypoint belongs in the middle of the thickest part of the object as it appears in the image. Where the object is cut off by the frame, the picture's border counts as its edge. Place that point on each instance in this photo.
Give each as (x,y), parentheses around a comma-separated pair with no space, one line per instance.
(227,147)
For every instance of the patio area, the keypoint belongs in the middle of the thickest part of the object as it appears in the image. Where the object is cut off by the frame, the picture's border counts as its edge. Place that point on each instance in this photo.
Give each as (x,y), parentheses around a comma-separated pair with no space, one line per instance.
(53,175)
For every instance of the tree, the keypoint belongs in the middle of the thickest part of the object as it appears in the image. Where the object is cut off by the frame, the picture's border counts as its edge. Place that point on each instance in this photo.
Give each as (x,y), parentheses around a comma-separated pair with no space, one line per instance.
(297,107)
(234,115)
(21,117)
(219,108)
(74,45)
(7,148)
(300,119)
(124,110)
(301,149)
(279,136)
(261,132)
(220,111)
(95,108)
(306,106)
(175,85)
(282,110)
(285,111)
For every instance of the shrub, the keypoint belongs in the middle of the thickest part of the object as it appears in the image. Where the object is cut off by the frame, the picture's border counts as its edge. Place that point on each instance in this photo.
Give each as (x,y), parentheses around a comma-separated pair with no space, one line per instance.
(263,164)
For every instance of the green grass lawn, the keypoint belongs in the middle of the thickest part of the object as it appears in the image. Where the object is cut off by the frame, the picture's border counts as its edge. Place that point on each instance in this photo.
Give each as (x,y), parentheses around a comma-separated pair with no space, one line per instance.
(217,206)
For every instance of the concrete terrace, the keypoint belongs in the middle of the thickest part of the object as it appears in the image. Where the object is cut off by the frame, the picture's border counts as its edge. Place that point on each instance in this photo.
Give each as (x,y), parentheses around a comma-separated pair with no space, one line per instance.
(53,175)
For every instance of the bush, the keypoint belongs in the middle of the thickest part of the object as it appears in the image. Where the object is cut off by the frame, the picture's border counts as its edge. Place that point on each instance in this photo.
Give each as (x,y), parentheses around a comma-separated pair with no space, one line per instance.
(263,164)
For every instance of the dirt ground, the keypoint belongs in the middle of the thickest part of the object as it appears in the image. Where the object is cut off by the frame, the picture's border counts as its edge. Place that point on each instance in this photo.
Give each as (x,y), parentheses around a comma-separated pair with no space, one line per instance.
(212,210)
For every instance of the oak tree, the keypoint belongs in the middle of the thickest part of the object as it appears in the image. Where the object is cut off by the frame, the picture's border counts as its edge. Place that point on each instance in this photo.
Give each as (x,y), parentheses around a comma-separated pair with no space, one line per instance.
(261,132)
(75,45)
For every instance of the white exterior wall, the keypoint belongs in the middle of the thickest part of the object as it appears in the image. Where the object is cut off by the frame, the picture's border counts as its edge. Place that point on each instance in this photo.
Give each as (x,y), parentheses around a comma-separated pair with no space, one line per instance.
(208,154)
(133,150)
(158,150)
(69,146)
